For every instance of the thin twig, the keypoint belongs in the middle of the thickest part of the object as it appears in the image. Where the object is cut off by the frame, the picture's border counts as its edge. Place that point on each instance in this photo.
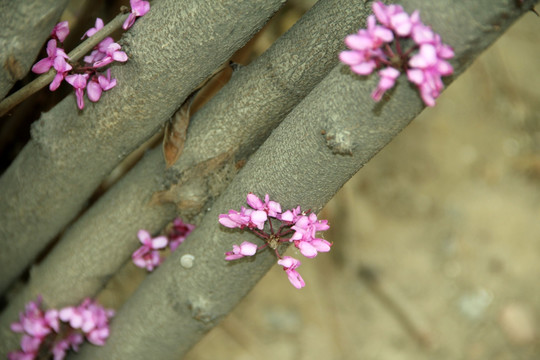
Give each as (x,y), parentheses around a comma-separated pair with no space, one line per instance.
(77,53)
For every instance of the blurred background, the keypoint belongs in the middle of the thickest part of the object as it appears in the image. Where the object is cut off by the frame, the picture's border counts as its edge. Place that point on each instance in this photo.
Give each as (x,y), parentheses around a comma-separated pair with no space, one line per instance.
(436,240)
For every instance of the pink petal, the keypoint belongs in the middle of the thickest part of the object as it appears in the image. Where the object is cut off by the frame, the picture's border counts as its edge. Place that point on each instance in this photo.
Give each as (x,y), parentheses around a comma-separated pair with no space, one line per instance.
(307,249)
(140,8)
(93,90)
(254,201)
(42,66)
(160,242)
(144,237)
(364,68)
(248,249)
(120,56)
(129,21)
(61,31)
(295,279)
(359,42)
(227,222)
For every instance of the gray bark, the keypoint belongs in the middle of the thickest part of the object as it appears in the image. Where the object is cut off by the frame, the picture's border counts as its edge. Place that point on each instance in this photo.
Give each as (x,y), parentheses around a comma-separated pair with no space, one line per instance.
(175,307)
(235,122)
(297,165)
(171,49)
(26,24)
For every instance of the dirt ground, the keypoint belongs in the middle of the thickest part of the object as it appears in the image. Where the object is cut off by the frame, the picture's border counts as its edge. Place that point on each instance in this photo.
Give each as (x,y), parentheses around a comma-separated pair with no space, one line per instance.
(436,240)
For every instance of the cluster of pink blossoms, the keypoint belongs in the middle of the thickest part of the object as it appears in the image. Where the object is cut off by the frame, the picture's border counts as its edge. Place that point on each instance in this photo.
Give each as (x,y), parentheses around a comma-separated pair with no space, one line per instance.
(86,76)
(54,332)
(300,225)
(425,62)
(148,255)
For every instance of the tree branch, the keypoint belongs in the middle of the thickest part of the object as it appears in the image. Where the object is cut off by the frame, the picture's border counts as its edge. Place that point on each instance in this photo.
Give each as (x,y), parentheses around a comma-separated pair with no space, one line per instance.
(296,165)
(240,117)
(74,56)
(26,24)
(171,49)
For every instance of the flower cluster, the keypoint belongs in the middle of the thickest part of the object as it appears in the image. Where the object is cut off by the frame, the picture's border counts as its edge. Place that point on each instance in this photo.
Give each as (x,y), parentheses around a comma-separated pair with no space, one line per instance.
(86,76)
(148,256)
(54,332)
(301,226)
(424,62)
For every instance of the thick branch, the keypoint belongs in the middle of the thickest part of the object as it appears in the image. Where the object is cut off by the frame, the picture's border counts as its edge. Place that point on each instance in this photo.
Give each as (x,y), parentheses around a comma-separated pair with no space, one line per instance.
(171,49)
(239,118)
(296,165)
(26,24)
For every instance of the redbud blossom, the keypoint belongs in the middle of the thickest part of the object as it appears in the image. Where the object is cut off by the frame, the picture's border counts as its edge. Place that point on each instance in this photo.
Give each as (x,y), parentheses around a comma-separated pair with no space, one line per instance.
(245,249)
(289,265)
(95,29)
(54,332)
(60,31)
(62,68)
(138,8)
(43,65)
(112,53)
(146,256)
(381,46)
(303,225)
(179,233)
(98,84)
(78,81)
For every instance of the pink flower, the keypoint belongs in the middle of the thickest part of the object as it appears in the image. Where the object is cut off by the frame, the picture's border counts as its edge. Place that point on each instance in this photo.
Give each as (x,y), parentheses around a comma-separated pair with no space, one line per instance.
(112,53)
(366,53)
(388,79)
(146,256)
(35,322)
(91,318)
(179,233)
(245,249)
(99,84)
(53,332)
(62,68)
(426,69)
(289,265)
(138,8)
(393,17)
(60,348)
(307,226)
(246,217)
(302,227)
(271,208)
(291,216)
(78,81)
(43,65)
(311,248)
(95,29)
(381,46)
(60,31)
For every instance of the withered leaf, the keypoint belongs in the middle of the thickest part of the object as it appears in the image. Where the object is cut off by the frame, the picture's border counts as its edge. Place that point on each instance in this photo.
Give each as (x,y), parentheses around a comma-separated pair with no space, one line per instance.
(175,133)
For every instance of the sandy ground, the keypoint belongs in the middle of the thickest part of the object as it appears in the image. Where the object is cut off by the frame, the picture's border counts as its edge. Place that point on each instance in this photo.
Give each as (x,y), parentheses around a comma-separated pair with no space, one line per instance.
(436,240)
